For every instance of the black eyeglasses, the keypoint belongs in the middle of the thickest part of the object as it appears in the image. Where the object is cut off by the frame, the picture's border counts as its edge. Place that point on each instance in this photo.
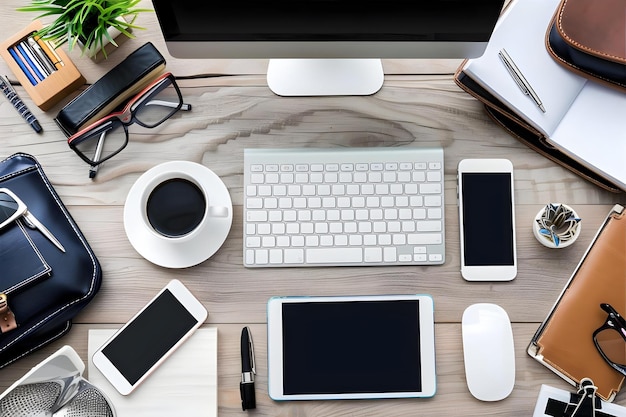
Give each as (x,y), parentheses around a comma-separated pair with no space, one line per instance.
(610,339)
(105,138)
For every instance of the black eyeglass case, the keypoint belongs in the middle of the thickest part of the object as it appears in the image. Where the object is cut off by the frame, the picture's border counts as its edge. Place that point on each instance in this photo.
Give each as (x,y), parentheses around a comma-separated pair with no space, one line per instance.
(112,90)
(41,287)
(564,341)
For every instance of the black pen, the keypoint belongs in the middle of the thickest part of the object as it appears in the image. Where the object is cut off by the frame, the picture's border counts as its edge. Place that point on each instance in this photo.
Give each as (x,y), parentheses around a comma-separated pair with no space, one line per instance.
(18,104)
(248,370)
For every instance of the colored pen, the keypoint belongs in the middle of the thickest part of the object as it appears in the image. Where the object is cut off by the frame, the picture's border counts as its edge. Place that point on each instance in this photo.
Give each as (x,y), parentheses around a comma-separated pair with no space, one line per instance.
(50,52)
(41,56)
(22,65)
(18,104)
(519,78)
(248,370)
(30,61)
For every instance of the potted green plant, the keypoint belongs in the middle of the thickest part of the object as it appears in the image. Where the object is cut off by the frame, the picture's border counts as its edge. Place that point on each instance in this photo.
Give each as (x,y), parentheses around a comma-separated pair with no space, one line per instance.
(93,24)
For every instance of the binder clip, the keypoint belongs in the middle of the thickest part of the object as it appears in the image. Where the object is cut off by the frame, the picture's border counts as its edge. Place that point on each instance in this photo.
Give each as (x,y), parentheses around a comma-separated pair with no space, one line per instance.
(585,402)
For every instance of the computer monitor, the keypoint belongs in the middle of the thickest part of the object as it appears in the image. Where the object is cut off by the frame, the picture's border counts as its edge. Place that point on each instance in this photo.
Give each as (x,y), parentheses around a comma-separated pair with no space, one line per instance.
(326,47)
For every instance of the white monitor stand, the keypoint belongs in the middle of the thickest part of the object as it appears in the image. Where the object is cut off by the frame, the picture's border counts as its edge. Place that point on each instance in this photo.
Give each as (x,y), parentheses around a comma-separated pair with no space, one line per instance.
(325,77)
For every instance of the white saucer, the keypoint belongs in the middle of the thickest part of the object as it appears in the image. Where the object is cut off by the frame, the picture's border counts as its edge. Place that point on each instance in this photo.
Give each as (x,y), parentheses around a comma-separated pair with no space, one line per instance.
(188,250)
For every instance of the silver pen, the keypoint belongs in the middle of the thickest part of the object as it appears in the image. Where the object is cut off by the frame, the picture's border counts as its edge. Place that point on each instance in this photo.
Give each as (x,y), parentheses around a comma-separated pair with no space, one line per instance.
(94,169)
(519,78)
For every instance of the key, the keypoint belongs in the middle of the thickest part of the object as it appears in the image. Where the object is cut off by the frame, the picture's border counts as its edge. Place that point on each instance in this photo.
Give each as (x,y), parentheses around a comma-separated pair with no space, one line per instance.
(424,239)
(334,255)
(293,256)
(373,255)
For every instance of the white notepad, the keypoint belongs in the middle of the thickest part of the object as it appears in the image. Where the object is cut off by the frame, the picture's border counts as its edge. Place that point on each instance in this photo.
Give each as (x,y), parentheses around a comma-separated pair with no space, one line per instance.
(184,385)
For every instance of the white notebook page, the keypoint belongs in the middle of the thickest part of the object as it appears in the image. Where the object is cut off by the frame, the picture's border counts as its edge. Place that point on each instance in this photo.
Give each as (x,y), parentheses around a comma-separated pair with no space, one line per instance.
(594,130)
(521,30)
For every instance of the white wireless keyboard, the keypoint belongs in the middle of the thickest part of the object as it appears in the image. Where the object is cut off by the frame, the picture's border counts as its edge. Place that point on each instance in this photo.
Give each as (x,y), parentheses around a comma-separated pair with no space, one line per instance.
(343,207)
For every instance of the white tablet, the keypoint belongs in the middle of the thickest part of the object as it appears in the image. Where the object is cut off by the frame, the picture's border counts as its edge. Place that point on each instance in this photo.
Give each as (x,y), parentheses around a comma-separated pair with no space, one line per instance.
(352,347)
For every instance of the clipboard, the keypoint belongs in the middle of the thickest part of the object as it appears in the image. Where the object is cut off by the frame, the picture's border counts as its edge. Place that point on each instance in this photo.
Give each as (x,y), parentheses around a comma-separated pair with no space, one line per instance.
(563,342)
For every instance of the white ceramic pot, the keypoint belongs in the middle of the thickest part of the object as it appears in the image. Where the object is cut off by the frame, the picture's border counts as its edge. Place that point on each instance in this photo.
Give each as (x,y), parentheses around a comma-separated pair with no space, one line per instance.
(566,237)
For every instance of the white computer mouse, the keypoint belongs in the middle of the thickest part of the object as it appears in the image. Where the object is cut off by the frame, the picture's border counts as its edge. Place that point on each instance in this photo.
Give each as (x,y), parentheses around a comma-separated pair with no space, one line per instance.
(488,351)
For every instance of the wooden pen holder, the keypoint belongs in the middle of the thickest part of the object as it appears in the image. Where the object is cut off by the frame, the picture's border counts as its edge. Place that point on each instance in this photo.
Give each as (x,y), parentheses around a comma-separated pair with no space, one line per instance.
(30,62)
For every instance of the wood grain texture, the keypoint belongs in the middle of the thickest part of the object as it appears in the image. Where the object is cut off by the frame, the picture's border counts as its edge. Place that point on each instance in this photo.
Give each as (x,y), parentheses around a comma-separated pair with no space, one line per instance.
(419,105)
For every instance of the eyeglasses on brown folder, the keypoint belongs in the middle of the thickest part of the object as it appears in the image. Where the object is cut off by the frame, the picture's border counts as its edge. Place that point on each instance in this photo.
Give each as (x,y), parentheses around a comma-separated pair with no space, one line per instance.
(106,137)
(610,339)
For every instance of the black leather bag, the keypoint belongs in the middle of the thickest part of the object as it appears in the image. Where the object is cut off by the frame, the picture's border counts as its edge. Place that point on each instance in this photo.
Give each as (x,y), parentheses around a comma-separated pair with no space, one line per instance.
(41,287)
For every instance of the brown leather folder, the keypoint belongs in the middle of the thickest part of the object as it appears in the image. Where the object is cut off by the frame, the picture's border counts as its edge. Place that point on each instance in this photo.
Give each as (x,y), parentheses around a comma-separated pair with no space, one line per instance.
(564,341)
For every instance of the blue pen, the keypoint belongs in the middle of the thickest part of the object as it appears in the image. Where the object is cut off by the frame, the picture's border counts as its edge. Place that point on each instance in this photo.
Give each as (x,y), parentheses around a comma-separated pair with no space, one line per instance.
(30,61)
(22,66)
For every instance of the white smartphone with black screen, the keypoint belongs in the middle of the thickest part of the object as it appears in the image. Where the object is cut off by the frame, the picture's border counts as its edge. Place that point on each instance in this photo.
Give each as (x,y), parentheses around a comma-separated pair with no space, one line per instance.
(142,344)
(487,220)
(351,347)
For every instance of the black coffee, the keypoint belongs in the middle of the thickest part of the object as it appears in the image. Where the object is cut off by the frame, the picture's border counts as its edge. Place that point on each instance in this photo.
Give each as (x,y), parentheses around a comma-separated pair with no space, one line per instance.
(175,207)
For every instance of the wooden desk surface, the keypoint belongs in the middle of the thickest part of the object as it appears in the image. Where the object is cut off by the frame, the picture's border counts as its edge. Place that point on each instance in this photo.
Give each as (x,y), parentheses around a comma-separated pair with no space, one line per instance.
(233,109)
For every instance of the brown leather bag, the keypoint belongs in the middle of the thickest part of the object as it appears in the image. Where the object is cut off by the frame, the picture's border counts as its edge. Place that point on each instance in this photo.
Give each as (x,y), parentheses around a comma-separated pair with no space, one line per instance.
(588,37)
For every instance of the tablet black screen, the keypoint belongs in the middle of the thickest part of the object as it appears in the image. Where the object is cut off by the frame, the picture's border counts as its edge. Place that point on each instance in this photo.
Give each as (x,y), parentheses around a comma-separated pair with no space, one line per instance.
(351,347)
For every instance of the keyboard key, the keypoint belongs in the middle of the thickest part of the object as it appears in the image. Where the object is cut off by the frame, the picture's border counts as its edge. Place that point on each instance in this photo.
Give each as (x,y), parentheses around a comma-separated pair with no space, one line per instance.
(334,255)
(425,239)
(429,226)
(390,254)
(373,255)
(276,256)
(254,203)
(256,216)
(293,256)
(429,188)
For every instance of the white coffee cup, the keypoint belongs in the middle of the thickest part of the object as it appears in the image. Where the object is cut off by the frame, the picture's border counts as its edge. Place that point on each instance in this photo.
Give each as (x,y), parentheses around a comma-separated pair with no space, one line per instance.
(175,206)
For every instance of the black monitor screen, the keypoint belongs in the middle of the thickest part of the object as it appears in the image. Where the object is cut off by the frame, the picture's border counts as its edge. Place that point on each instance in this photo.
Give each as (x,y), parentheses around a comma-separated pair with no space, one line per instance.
(328,20)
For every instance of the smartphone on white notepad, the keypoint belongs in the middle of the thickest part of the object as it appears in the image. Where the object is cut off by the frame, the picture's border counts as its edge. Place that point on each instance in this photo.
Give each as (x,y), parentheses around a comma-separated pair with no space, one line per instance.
(487,220)
(157,330)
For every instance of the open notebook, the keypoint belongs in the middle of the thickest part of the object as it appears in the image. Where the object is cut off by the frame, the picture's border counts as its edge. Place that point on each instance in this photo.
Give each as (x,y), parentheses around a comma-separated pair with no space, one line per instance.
(184,385)
(583,119)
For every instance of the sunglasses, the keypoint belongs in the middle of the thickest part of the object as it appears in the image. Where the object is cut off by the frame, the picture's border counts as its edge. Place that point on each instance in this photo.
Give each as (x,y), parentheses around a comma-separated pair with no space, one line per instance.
(610,339)
(12,208)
